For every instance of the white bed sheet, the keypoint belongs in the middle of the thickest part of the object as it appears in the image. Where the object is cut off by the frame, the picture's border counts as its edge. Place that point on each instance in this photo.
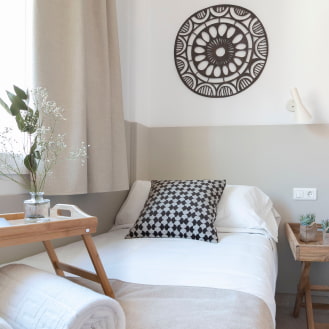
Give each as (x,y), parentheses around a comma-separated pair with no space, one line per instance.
(240,261)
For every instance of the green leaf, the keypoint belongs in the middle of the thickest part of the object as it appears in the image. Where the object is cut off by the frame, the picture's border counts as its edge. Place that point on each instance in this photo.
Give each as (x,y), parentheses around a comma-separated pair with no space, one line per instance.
(30,163)
(20,122)
(14,110)
(17,101)
(20,93)
(34,146)
(29,124)
(5,106)
(37,155)
(31,121)
(33,151)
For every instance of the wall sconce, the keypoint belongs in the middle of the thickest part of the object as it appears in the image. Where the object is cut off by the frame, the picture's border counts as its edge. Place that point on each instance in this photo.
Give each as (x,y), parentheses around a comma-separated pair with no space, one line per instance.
(303,116)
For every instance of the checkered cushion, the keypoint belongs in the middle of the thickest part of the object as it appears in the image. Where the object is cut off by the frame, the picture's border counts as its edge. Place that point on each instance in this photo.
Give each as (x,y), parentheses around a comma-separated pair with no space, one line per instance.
(180,209)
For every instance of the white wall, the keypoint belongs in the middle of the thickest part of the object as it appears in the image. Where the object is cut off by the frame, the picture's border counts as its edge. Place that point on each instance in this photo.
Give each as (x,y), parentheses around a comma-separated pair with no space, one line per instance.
(155,95)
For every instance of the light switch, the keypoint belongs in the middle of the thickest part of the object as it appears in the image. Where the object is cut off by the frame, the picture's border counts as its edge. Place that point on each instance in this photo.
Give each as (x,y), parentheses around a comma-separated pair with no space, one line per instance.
(304,193)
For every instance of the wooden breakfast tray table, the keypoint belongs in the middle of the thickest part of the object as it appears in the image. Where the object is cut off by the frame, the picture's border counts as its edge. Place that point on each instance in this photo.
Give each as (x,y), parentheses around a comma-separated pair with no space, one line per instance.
(59,226)
(308,252)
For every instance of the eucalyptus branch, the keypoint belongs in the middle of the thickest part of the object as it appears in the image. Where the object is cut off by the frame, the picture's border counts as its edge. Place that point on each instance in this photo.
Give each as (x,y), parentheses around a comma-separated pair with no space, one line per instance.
(37,119)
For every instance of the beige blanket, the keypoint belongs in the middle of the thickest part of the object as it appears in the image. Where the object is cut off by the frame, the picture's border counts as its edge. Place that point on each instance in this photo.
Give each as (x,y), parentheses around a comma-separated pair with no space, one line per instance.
(176,307)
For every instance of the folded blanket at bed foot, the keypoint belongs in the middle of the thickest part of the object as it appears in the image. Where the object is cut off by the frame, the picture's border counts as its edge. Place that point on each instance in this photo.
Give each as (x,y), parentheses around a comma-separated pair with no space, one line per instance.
(34,299)
(183,307)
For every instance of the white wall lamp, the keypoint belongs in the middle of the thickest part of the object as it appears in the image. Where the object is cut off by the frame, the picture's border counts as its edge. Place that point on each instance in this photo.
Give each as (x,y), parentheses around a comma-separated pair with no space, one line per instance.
(295,104)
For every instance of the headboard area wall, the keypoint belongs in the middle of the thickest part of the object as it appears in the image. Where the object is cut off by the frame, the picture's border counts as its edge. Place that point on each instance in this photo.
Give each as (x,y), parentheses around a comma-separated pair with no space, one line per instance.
(274,158)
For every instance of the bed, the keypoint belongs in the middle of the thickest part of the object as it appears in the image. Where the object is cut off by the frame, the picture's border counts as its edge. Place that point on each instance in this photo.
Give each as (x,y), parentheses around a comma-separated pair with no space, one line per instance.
(173,281)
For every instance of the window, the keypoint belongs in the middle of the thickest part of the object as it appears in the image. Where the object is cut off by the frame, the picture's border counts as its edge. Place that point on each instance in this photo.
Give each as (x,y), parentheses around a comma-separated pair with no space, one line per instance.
(14,55)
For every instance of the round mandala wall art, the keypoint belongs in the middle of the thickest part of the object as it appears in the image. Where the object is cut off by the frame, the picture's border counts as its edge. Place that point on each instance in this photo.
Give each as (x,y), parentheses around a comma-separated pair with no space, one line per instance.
(220,51)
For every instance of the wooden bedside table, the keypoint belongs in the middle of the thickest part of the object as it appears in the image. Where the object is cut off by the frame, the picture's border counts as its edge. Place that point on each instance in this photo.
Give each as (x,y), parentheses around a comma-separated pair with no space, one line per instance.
(77,223)
(307,252)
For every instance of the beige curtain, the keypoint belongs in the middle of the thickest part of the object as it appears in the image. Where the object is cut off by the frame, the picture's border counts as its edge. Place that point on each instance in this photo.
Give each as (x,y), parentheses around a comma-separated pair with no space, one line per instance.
(76,57)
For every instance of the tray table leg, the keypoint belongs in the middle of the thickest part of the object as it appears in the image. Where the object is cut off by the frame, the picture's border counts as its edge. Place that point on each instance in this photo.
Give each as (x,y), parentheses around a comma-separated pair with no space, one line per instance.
(309,307)
(93,254)
(304,290)
(303,281)
(53,257)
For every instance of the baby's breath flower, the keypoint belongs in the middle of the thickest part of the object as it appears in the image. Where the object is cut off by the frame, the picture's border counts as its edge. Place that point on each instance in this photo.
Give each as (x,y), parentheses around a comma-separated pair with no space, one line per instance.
(81,153)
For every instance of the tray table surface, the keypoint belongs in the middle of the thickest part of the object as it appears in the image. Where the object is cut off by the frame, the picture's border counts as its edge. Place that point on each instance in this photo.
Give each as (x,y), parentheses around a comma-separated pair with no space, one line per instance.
(314,251)
(19,232)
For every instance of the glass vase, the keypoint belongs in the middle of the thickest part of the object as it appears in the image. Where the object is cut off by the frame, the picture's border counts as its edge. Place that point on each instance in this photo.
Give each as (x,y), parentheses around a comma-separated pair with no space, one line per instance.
(37,208)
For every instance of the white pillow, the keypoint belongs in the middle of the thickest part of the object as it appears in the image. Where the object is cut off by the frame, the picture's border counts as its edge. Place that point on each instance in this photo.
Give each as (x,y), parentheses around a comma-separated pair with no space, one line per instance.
(134,203)
(240,207)
(246,207)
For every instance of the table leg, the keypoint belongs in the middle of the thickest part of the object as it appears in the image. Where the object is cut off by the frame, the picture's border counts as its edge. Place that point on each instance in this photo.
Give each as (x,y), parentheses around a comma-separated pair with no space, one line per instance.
(53,257)
(103,280)
(304,290)
(309,307)
(303,282)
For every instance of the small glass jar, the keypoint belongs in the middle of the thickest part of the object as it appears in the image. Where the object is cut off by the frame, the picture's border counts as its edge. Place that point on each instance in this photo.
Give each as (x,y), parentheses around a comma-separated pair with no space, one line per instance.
(37,209)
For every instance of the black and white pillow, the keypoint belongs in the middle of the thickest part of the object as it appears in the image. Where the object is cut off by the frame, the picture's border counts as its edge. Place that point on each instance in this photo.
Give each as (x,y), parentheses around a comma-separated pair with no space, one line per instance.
(180,209)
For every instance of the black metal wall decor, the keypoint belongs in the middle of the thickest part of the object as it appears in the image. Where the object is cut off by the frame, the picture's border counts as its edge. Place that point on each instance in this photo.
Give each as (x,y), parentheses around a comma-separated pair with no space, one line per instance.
(221,50)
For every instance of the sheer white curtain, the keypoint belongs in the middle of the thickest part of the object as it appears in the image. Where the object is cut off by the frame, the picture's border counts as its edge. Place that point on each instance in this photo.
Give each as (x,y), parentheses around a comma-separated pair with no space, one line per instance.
(76,57)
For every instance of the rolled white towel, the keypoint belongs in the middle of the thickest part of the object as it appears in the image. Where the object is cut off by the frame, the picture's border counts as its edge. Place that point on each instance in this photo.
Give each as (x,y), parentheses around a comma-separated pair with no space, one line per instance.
(34,299)
(4,324)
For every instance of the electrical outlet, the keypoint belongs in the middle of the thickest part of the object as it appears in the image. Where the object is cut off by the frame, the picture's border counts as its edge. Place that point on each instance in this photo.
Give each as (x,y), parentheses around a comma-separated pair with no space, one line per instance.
(303,193)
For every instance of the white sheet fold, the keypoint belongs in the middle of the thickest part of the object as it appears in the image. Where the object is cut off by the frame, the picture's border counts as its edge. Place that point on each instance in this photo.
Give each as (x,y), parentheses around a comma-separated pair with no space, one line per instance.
(4,324)
(34,299)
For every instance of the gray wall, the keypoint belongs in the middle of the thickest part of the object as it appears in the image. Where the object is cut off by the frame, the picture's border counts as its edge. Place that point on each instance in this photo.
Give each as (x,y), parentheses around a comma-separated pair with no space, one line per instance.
(274,158)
